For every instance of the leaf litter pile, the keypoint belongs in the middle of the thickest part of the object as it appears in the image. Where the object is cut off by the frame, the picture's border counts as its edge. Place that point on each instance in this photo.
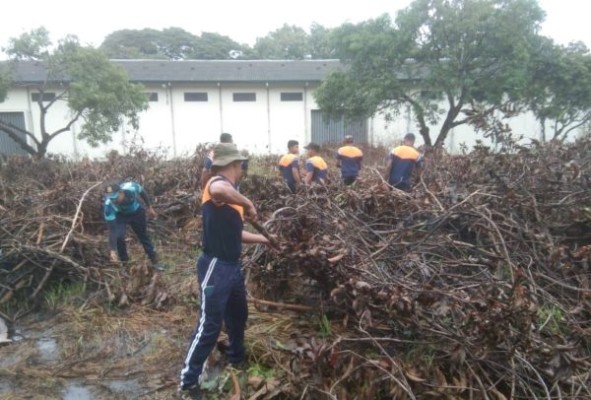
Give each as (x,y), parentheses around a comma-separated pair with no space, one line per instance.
(475,285)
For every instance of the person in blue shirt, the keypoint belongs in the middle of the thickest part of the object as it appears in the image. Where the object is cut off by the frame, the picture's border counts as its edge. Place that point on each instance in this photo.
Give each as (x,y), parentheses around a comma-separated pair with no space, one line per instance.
(349,160)
(289,165)
(316,167)
(121,207)
(402,161)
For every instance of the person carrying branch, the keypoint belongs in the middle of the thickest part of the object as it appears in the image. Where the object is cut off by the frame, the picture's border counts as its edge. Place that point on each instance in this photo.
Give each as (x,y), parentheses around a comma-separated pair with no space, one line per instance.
(289,165)
(316,167)
(121,207)
(349,160)
(223,292)
(402,161)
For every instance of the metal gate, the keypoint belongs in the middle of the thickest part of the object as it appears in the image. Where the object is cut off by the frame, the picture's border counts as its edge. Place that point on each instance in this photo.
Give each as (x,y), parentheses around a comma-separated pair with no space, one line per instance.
(8,146)
(327,130)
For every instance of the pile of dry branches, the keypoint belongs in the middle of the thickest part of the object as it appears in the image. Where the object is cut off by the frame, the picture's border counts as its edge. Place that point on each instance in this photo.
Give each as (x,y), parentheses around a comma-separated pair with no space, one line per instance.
(475,285)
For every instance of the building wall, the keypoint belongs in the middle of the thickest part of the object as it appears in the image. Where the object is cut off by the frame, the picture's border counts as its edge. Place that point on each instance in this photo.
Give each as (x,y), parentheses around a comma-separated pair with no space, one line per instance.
(177,126)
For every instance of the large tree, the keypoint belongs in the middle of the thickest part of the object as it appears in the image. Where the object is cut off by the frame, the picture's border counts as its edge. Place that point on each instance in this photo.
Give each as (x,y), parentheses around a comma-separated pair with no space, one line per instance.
(559,94)
(286,43)
(438,58)
(97,92)
(171,44)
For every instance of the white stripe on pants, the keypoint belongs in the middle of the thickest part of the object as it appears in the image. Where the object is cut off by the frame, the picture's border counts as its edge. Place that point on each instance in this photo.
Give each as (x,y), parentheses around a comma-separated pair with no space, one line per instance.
(201,319)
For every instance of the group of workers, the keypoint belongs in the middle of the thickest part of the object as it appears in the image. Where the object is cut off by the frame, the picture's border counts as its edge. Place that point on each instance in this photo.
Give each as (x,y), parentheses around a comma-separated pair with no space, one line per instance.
(224,210)
(401,163)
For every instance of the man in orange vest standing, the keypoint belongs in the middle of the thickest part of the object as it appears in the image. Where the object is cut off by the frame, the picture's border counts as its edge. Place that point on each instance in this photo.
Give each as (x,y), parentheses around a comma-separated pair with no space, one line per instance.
(223,292)
(349,160)
(289,165)
(402,161)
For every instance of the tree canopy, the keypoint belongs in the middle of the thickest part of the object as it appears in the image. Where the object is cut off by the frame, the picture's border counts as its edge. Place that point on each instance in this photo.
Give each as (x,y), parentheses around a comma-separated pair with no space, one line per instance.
(171,44)
(97,92)
(437,57)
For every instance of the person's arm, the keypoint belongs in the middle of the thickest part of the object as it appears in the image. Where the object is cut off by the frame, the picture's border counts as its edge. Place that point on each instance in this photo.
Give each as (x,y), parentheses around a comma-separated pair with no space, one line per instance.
(389,168)
(146,199)
(222,191)
(309,173)
(253,238)
(295,170)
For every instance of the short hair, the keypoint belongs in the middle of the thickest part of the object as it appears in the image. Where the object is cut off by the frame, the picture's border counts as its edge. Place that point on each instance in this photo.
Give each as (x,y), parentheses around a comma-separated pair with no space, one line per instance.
(226,138)
(292,143)
(348,139)
(410,137)
(313,146)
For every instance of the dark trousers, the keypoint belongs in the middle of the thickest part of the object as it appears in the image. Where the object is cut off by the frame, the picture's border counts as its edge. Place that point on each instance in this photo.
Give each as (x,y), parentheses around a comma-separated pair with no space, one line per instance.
(223,300)
(349,180)
(118,229)
(292,186)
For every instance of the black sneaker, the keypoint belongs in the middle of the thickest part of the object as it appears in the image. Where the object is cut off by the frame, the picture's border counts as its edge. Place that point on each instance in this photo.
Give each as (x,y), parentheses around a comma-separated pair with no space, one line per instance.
(192,392)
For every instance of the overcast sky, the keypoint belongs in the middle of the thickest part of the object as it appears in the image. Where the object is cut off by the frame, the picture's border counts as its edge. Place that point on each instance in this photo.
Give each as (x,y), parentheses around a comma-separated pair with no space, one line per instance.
(243,21)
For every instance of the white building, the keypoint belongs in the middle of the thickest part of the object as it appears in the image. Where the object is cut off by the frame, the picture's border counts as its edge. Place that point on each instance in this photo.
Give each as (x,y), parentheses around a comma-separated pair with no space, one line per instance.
(262,103)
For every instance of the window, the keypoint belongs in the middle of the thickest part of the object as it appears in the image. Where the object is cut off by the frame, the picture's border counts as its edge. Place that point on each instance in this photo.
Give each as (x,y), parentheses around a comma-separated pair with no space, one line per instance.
(152,96)
(47,96)
(292,96)
(245,96)
(196,96)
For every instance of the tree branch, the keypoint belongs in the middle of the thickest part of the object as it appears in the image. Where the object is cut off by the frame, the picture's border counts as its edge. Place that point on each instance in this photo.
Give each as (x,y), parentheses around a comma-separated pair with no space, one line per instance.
(13,134)
(67,127)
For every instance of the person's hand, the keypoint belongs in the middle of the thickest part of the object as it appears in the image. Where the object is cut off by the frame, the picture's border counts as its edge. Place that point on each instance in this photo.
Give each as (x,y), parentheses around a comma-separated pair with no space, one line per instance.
(113,256)
(250,212)
(151,212)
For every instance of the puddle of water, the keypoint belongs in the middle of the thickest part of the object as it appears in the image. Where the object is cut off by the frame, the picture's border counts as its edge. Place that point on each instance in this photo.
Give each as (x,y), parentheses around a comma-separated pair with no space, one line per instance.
(129,388)
(48,350)
(5,387)
(77,392)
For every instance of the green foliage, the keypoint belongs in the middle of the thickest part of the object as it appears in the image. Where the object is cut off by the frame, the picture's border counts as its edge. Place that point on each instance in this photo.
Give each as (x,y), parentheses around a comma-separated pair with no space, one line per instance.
(551,318)
(63,293)
(437,57)
(170,43)
(286,43)
(559,94)
(97,92)
(324,326)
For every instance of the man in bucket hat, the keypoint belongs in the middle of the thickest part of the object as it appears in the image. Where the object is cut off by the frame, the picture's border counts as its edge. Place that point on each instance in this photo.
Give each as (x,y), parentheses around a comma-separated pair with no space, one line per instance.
(121,208)
(223,293)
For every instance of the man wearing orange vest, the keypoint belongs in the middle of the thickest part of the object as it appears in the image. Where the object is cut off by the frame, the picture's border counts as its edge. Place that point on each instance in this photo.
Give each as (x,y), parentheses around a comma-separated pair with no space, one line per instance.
(403,160)
(289,165)
(223,293)
(316,167)
(349,160)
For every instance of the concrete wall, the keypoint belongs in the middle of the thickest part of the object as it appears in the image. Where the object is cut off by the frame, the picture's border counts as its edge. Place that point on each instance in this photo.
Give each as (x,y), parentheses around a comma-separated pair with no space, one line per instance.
(177,126)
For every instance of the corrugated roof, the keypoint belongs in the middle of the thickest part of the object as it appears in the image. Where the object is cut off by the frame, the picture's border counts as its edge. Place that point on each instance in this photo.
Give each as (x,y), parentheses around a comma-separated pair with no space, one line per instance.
(203,70)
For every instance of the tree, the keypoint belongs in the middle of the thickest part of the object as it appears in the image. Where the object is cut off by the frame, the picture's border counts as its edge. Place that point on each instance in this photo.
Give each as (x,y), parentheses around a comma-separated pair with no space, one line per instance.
(98,93)
(170,43)
(286,43)
(438,58)
(559,94)
(213,46)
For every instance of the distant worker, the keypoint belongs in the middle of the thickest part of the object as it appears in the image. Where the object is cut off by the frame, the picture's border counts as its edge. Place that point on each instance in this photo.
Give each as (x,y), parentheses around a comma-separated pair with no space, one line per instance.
(316,167)
(206,172)
(121,208)
(289,165)
(402,162)
(349,160)
(223,292)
